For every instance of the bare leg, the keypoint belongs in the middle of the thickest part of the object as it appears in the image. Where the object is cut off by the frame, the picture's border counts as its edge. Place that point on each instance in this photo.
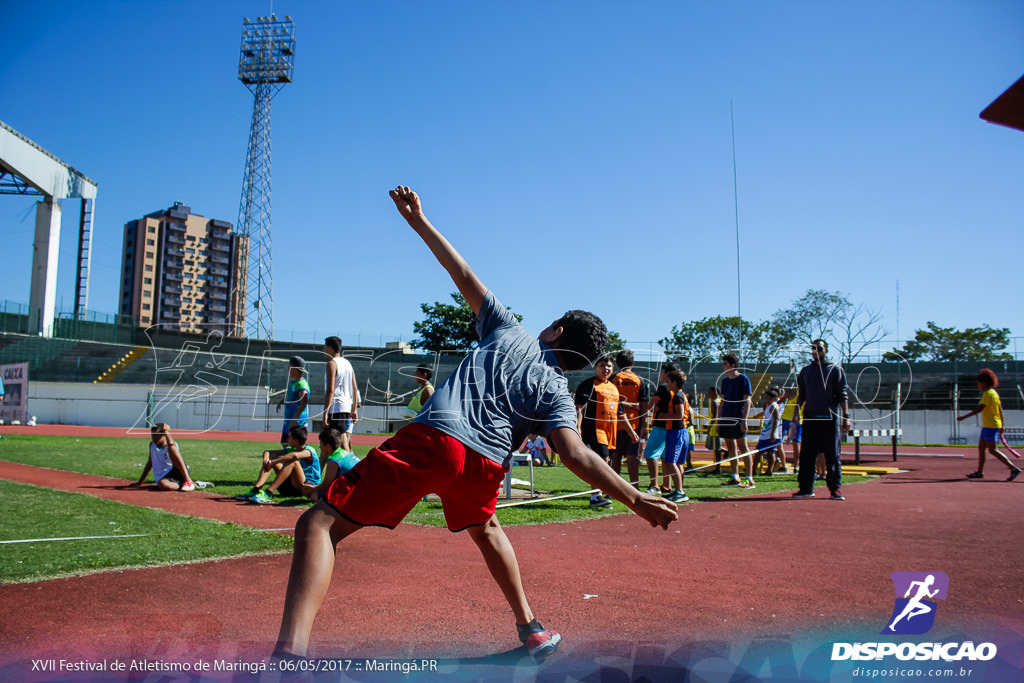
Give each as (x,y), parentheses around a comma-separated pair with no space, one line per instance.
(652,469)
(999,455)
(501,561)
(179,463)
(290,472)
(981,455)
(633,467)
(265,474)
(317,534)
(730,452)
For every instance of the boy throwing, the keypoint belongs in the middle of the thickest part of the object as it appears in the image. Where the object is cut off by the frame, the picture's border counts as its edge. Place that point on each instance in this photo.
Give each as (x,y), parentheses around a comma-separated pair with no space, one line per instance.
(458,447)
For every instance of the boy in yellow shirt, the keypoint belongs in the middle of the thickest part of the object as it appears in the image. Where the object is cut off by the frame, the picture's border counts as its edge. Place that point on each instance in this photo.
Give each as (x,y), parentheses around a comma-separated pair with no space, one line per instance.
(991,409)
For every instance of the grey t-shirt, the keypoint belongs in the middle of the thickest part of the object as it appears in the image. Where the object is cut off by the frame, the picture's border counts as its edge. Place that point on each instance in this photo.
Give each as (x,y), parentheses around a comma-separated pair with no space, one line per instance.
(507,388)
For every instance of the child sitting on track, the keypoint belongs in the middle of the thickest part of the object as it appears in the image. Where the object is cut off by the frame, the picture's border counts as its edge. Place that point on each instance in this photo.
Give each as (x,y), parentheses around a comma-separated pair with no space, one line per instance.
(337,463)
(296,465)
(458,448)
(169,469)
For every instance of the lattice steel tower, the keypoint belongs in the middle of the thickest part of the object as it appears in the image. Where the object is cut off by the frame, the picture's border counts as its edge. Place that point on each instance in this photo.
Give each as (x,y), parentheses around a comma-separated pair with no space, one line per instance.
(264,66)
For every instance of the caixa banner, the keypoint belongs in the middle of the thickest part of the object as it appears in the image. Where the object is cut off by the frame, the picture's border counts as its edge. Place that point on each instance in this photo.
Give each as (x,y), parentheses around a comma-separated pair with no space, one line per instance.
(14,402)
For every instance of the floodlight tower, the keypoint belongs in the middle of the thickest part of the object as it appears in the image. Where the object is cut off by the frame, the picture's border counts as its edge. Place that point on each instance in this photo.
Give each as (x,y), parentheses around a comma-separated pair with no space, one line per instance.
(264,66)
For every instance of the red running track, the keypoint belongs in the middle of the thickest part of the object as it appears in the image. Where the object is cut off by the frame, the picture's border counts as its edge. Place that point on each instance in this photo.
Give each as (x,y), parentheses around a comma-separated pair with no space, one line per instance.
(728,578)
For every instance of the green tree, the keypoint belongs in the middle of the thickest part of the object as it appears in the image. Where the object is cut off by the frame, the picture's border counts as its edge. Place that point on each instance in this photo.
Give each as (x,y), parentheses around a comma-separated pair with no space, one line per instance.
(447,327)
(709,338)
(849,328)
(948,344)
(615,342)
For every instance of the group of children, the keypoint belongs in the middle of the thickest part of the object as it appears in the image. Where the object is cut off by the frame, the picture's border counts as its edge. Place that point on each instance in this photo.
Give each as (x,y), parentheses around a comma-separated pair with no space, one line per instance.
(619,419)
(297,469)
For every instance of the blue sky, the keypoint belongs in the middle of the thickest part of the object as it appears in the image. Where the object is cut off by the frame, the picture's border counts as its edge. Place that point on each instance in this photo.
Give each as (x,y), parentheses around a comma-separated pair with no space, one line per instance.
(579,154)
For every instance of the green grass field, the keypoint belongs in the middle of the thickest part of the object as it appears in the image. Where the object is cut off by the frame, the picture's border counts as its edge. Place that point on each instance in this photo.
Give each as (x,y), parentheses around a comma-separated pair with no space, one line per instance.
(31,513)
(233,466)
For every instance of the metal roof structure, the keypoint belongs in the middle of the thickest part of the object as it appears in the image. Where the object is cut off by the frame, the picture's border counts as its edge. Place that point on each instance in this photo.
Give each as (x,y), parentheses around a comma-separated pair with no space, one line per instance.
(26,168)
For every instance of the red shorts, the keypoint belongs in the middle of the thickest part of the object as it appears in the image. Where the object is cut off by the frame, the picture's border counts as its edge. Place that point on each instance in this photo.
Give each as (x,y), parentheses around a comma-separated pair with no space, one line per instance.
(382,488)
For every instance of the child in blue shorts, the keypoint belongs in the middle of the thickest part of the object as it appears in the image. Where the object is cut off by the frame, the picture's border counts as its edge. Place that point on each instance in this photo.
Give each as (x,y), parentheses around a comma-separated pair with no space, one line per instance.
(677,439)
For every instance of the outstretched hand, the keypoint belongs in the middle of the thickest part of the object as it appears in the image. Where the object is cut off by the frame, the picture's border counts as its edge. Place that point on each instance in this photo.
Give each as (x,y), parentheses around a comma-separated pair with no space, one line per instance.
(407,201)
(657,511)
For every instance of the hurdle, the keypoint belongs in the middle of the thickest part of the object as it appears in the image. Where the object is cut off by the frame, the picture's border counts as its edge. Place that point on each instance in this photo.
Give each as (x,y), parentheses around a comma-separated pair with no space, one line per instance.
(858,433)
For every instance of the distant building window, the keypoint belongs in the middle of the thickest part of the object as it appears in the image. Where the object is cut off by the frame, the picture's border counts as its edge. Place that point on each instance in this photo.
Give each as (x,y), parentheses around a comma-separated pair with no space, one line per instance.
(188,288)
(150,254)
(145,318)
(145,307)
(187,300)
(151,230)
(146,292)
(150,243)
(190,238)
(147,280)
(149,268)
(189,250)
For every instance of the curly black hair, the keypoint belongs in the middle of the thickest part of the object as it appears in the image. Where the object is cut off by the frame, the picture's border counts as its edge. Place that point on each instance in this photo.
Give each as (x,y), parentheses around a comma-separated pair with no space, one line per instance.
(584,338)
(624,358)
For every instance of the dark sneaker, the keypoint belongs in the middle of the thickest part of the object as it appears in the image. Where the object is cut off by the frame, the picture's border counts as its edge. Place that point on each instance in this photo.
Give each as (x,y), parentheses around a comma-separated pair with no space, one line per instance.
(818,477)
(599,501)
(539,641)
(731,482)
(678,497)
(804,494)
(665,491)
(1014,473)
(838,495)
(976,475)
(653,490)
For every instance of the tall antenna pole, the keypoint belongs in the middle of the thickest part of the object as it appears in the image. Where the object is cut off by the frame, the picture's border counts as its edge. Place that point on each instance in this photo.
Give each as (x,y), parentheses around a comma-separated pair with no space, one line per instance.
(265,65)
(736,202)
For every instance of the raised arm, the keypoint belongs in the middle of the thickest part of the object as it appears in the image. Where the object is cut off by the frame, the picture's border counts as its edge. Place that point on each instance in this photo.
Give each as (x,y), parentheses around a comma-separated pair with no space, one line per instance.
(408,203)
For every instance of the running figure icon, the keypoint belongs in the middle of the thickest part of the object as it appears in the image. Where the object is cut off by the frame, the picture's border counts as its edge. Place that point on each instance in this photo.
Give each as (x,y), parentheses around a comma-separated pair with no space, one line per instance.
(919,592)
(915,607)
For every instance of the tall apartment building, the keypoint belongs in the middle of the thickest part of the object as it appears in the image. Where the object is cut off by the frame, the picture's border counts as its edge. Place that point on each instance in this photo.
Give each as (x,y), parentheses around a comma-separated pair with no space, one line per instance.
(184,271)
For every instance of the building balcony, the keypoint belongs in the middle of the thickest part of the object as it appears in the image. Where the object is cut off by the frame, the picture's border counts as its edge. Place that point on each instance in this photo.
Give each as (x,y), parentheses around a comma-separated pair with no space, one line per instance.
(175,238)
(172,275)
(220,234)
(220,246)
(217,296)
(175,226)
(173,263)
(174,251)
(171,301)
(214,270)
(171,288)
(217,258)
(170,315)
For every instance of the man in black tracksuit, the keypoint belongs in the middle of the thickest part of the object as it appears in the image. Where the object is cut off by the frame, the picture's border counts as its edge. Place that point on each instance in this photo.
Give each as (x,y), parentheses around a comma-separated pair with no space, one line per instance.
(823,404)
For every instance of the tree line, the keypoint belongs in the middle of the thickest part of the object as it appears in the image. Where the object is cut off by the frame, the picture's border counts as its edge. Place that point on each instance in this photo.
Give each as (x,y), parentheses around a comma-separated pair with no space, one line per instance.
(850,328)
